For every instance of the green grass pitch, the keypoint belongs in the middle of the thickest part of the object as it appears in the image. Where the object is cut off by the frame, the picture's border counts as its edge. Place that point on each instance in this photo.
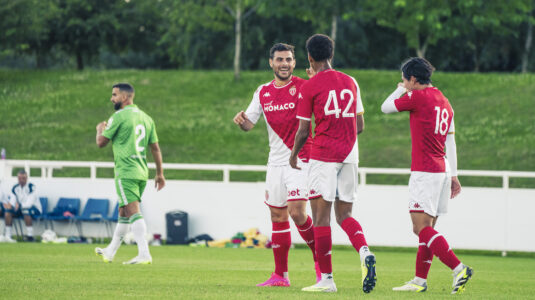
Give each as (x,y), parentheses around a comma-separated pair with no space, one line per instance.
(45,271)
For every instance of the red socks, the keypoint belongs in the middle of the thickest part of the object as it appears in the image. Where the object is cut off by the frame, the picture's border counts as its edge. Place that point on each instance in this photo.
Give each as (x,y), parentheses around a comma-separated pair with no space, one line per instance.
(424,257)
(281,240)
(307,233)
(354,232)
(439,247)
(322,235)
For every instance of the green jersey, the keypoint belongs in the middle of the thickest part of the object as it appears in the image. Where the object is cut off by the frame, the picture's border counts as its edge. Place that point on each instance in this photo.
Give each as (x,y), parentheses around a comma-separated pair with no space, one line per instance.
(131,131)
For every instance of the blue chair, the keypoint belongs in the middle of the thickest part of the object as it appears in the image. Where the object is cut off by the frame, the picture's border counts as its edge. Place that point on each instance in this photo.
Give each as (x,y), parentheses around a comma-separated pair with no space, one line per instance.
(44,211)
(66,209)
(95,211)
(113,219)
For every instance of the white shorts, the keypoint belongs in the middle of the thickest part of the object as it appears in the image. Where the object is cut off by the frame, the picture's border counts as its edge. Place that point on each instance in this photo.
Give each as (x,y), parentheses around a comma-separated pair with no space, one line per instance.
(429,192)
(331,180)
(284,183)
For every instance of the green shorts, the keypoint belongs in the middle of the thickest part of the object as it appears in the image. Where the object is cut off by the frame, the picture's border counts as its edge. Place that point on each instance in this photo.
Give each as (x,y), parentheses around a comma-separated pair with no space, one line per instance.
(129,190)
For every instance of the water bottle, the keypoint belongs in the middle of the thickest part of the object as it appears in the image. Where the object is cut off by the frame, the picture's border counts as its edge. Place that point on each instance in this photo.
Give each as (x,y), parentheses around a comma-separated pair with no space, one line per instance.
(3,153)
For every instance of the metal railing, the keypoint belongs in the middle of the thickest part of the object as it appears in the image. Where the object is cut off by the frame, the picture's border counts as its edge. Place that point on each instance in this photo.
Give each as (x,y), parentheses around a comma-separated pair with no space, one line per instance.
(47,169)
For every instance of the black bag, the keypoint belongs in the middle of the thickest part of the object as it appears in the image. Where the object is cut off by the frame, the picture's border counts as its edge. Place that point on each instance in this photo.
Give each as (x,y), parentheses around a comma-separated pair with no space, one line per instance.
(177,227)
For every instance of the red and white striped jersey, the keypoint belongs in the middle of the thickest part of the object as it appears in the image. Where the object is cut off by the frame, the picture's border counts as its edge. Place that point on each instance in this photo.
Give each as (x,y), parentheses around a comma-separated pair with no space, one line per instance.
(278,104)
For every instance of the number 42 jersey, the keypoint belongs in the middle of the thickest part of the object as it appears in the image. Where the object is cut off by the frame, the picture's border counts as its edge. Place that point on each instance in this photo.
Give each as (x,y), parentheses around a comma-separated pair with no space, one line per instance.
(131,131)
(334,99)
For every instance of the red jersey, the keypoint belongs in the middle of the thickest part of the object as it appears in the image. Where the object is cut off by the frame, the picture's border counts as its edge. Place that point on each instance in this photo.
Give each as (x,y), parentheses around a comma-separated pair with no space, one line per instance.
(431,118)
(278,104)
(334,99)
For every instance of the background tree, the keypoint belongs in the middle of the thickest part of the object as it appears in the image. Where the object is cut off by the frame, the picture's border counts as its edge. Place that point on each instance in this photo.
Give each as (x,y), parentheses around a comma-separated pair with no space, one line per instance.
(422,22)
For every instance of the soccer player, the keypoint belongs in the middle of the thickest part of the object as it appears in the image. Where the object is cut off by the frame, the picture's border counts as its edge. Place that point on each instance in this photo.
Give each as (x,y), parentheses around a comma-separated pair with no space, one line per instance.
(286,192)
(131,131)
(433,178)
(334,99)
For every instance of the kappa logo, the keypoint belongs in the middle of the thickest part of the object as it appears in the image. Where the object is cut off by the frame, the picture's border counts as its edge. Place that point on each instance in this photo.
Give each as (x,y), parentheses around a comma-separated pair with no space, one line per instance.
(293,89)
(428,261)
(267,94)
(275,246)
(312,192)
(416,205)
(328,253)
(358,232)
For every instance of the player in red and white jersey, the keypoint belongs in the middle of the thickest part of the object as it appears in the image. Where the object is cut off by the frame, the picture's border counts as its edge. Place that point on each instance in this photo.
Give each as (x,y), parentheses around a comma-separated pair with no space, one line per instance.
(334,99)
(286,188)
(433,171)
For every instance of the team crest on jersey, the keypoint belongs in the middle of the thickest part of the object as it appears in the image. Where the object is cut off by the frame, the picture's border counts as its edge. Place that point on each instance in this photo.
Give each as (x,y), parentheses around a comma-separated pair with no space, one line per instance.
(293,89)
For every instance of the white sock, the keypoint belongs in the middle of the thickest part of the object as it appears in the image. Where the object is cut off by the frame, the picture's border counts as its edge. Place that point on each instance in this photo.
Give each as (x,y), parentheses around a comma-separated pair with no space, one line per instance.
(120,230)
(363,252)
(139,229)
(419,280)
(8,231)
(458,269)
(326,276)
(29,229)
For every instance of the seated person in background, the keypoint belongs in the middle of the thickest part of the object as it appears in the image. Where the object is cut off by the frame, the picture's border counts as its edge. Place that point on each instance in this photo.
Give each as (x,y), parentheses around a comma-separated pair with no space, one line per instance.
(22,201)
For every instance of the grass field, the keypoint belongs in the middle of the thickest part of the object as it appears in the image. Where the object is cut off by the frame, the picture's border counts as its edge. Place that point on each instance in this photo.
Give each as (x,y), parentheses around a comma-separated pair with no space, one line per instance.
(45,271)
(52,115)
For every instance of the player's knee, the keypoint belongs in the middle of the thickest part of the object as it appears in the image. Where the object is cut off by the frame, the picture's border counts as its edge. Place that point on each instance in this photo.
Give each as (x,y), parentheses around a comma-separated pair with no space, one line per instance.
(340,217)
(416,229)
(298,216)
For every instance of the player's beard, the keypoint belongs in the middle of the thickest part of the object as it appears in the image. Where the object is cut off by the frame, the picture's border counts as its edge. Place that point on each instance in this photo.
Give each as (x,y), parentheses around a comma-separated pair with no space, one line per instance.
(284,78)
(117,105)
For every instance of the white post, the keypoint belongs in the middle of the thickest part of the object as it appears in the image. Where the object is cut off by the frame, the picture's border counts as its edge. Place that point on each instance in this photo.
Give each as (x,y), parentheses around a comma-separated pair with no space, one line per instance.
(362,175)
(226,174)
(93,172)
(505,186)
(3,169)
(43,172)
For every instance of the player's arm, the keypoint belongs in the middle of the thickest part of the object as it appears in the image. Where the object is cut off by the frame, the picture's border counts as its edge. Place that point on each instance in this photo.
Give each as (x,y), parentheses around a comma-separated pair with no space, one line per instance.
(102,141)
(389,106)
(451,155)
(360,123)
(300,139)
(243,121)
(159,179)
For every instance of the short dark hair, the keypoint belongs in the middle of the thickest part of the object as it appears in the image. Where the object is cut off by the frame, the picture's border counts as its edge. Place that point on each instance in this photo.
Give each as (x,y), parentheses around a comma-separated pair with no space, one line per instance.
(281,47)
(21,172)
(320,47)
(124,87)
(418,67)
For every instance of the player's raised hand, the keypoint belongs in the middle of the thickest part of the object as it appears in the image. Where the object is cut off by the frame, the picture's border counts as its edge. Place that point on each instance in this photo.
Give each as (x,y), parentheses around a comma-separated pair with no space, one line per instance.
(240,118)
(101,126)
(159,182)
(310,72)
(455,187)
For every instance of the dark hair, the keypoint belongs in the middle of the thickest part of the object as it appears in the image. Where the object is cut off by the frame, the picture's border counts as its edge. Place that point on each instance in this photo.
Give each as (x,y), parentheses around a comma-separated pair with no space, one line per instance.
(281,47)
(320,47)
(21,172)
(418,67)
(124,87)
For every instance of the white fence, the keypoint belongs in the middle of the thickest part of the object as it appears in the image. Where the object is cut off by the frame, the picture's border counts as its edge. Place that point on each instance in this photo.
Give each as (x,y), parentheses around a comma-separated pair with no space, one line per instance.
(480,218)
(48,167)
